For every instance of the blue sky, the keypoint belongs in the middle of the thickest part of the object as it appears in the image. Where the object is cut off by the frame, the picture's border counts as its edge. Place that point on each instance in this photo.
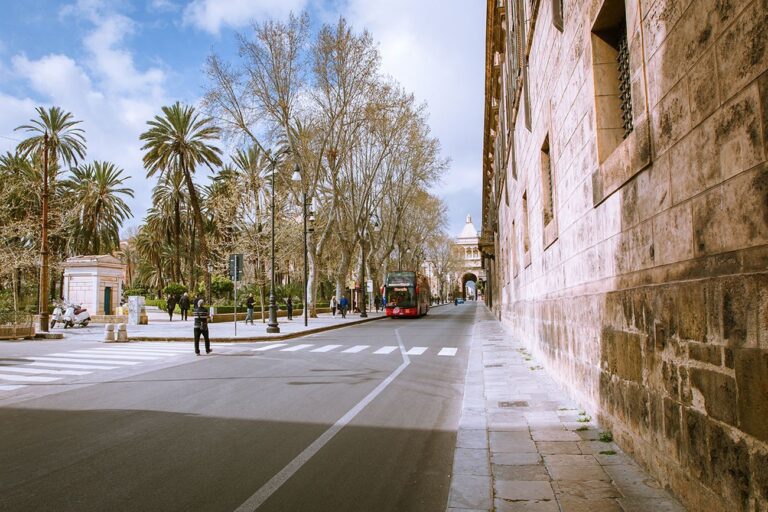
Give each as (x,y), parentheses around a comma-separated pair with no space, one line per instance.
(114,63)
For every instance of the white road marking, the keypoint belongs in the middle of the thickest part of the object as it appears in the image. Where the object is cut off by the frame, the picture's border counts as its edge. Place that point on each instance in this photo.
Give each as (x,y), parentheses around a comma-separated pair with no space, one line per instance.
(148,351)
(386,350)
(82,359)
(326,348)
(447,351)
(93,353)
(297,347)
(26,378)
(274,483)
(416,351)
(269,347)
(27,369)
(355,349)
(74,366)
(11,387)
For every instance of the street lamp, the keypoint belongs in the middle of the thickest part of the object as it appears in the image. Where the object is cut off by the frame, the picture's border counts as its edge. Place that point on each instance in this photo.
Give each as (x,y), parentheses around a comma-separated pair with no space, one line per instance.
(272,326)
(307,216)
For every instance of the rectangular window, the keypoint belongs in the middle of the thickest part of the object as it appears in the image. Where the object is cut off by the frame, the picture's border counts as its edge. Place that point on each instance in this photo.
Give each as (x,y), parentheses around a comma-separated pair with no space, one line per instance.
(526,237)
(557,14)
(610,62)
(548,195)
(515,270)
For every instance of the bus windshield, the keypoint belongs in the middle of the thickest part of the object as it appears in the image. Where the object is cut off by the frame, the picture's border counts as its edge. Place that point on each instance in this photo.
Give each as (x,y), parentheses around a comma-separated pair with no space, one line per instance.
(401,296)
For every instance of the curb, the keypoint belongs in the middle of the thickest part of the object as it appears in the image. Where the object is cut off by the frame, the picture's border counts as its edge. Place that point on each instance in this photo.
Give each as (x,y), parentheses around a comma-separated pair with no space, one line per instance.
(278,337)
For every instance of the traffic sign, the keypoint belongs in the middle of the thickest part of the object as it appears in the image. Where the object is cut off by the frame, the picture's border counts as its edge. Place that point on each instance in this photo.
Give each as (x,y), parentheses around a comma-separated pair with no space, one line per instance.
(236,267)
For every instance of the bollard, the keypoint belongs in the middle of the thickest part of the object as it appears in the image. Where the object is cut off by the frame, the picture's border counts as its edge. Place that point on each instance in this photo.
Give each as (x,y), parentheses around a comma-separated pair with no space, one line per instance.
(109,333)
(122,332)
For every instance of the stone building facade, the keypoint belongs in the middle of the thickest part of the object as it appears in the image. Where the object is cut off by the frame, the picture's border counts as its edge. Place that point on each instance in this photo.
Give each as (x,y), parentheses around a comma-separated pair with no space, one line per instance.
(468,261)
(625,223)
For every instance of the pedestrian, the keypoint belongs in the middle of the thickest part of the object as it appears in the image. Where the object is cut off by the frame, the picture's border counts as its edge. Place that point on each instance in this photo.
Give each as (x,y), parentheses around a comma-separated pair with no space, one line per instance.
(171,303)
(333,305)
(289,307)
(201,327)
(377,303)
(343,304)
(249,309)
(184,305)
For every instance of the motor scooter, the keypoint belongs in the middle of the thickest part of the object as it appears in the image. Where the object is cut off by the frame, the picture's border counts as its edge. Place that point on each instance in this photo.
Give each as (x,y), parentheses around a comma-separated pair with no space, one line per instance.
(76,315)
(58,314)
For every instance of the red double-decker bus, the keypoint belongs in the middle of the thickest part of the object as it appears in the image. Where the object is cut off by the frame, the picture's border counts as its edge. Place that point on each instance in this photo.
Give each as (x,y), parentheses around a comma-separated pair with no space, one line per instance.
(407,294)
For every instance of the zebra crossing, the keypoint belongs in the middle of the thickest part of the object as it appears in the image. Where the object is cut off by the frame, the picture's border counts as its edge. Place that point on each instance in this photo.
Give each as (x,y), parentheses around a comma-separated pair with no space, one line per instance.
(51,368)
(356,349)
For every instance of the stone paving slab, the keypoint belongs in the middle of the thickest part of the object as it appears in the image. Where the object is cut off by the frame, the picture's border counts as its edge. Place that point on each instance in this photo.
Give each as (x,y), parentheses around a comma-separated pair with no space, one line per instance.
(524,446)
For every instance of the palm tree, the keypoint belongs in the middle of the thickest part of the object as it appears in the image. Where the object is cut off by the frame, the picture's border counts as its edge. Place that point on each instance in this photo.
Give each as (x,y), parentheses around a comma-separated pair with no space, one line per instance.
(55,136)
(179,140)
(96,189)
(170,198)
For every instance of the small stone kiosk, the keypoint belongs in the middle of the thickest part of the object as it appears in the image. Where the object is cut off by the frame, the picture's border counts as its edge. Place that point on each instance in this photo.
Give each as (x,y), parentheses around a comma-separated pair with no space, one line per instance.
(96,283)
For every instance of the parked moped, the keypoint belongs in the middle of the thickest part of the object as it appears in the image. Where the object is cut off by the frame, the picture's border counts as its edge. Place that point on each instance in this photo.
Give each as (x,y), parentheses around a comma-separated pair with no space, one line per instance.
(58,314)
(76,315)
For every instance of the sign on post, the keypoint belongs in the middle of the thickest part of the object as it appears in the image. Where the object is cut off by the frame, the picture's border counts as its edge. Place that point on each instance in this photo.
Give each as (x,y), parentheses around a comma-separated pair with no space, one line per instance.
(235,273)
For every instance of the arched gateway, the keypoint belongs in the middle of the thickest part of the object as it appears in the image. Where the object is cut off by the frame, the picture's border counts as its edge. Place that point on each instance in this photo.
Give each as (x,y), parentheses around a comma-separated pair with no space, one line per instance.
(470,267)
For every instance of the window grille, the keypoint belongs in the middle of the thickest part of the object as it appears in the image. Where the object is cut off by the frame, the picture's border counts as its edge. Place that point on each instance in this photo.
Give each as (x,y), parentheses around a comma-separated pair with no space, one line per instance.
(625,86)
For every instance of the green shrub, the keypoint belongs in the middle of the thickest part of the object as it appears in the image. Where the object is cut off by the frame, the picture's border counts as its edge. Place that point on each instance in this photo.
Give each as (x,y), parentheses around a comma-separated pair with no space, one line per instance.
(175,289)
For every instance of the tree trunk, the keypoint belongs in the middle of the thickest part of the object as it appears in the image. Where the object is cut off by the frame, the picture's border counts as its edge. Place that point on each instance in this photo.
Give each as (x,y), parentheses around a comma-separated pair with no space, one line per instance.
(177,233)
(192,282)
(199,224)
(14,274)
(312,284)
(341,275)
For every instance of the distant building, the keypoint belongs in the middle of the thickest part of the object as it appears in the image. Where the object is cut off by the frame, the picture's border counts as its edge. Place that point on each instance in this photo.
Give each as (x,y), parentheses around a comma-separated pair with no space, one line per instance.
(469,261)
(625,223)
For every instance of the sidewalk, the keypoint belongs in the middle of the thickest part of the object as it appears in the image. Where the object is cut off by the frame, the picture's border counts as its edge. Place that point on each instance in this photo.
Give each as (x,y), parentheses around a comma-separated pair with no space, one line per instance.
(523,445)
(160,329)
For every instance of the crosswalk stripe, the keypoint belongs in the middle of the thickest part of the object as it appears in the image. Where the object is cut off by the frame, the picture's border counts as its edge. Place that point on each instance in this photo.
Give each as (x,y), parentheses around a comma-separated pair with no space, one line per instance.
(447,351)
(89,353)
(326,348)
(73,366)
(297,347)
(150,351)
(269,347)
(10,387)
(27,369)
(26,378)
(386,350)
(83,359)
(416,351)
(355,349)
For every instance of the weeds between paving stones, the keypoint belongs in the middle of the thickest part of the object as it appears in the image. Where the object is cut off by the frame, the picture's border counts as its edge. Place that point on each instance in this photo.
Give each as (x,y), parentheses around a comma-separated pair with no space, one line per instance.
(582,429)
(606,437)
(585,419)
(608,452)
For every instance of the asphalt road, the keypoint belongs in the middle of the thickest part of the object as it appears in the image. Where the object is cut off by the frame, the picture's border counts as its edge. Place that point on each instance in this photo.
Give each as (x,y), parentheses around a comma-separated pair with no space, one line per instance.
(314,429)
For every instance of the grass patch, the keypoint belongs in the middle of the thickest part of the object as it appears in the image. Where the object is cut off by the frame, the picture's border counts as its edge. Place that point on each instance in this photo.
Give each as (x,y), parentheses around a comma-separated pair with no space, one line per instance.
(608,452)
(534,368)
(584,419)
(582,429)
(606,437)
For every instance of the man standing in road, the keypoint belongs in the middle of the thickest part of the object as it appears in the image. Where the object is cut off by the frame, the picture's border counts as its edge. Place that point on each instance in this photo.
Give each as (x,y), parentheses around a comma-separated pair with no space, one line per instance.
(201,327)
(184,305)
(249,309)
(343,305)
(171,305)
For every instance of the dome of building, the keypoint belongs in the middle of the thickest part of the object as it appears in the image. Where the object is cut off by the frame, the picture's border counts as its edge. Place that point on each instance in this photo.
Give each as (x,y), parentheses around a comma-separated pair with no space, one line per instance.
(469,230)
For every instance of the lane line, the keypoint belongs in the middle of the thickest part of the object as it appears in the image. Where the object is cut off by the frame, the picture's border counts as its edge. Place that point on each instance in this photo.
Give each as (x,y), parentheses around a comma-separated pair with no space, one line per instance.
(269,347)
(355,349)
(151,351)
(297,347)
(93,353)
(78,360)
(26,378)
(416,351)
(42,371)
(386,350)
(11,387)
(274,483)
(74,366)
(447,351)
(326,348)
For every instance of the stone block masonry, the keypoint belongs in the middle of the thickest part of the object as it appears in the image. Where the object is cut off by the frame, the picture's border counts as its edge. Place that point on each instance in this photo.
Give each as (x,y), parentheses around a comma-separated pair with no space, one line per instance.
(650,302)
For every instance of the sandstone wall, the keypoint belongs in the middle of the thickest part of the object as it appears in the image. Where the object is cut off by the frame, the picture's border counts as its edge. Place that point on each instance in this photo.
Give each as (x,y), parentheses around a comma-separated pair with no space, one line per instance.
(651,303)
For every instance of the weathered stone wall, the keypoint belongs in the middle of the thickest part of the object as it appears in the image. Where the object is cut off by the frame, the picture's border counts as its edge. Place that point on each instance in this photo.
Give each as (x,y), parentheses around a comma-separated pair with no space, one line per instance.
(651,305)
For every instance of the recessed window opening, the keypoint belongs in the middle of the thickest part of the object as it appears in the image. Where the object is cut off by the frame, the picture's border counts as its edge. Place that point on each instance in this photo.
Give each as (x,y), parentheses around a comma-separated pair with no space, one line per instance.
(611,71)
(557,14)
(547,196)
(526,237)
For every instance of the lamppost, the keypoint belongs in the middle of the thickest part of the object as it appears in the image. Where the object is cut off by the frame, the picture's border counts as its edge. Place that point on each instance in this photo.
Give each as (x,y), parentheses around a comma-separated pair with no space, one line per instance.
(208,284)
(43,299)
(307,216)
(272,326)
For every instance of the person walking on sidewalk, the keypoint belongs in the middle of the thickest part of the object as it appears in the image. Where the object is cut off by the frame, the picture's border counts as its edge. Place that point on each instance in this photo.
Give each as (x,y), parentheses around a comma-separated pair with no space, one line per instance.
(184,305)
(333,305)
(289,307)
(377,303)
(171,304)
(249,309)
(201,327)
(343,305)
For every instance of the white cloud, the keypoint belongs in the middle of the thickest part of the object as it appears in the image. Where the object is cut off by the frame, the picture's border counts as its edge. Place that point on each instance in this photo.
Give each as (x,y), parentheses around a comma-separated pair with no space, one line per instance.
(212,15)
(436,49)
